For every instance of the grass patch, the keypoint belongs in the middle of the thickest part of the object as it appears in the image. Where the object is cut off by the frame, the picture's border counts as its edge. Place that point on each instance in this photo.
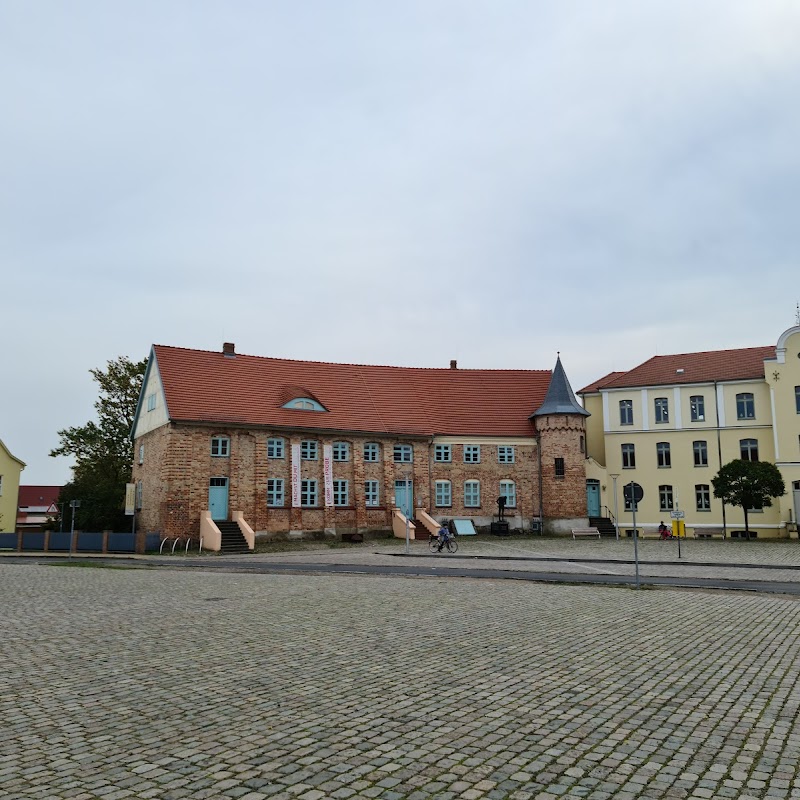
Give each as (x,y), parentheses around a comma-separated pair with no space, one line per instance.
(91,565)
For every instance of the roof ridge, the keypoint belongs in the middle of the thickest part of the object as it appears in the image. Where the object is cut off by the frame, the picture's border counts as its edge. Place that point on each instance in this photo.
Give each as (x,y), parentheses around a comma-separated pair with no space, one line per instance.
(709,352)
(353,364)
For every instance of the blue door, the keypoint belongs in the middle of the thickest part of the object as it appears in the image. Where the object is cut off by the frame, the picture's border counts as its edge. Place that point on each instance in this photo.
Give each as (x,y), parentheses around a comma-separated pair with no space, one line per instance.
(218,498)
(593,498)
(404,497)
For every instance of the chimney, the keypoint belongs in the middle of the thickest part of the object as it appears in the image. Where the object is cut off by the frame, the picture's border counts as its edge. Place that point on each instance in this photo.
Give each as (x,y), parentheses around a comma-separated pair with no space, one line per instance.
(228,350)
(454,364)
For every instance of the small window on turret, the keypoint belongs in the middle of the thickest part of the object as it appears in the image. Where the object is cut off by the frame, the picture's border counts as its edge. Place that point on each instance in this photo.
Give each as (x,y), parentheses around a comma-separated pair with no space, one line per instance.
(560,471)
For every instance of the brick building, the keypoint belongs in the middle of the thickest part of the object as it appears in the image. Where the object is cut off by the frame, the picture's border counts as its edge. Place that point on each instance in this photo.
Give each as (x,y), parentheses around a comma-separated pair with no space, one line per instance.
(291,447)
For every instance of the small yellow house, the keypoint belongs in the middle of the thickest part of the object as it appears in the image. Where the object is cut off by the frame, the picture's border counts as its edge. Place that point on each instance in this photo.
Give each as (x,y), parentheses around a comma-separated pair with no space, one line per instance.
(10,469)
(671,422)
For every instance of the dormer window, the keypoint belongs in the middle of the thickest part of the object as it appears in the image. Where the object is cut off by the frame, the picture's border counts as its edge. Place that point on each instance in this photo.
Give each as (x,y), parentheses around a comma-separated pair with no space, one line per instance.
(304,404)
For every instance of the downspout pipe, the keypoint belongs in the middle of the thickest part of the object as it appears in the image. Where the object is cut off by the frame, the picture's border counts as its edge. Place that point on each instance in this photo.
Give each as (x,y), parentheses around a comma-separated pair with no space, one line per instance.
(719,456)
(541,481)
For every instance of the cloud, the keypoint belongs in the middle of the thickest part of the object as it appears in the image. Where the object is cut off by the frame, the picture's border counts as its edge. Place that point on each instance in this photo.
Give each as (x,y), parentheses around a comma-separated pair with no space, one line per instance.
(403,184)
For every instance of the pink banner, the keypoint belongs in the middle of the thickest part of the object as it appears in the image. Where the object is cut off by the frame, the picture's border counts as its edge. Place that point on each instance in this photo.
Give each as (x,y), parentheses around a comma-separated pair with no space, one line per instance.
(327,471)
(295,476)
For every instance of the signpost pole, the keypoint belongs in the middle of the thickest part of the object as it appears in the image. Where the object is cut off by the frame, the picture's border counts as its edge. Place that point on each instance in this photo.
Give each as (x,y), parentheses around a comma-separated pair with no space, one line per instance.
(634,503)
(616,512)
(73,504)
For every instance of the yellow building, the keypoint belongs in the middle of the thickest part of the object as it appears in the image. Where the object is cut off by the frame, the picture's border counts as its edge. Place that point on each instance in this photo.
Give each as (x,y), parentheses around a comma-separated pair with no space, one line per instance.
(671,422)
(10,469)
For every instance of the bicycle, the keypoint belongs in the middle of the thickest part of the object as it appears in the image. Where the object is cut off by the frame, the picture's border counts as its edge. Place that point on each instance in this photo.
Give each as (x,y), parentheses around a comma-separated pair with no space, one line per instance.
(443,539)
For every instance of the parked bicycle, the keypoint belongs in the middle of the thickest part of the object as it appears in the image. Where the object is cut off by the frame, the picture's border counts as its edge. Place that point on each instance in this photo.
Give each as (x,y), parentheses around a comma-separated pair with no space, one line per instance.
(444,539)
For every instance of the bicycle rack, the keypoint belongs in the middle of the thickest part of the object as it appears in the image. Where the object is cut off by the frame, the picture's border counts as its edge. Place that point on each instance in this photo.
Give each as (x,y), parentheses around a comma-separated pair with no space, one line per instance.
(175,541)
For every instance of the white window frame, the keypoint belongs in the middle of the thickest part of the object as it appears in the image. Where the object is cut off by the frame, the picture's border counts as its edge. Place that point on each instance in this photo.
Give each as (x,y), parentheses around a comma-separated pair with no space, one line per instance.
(222,444)
(400,452)
(442,453)
(141,454)
(341,492)
(661,410)
(506,454)
(372,496)
(151,402)
(139,494)
(309,450)
(372,452)
(666,497)
(510,495)
(626,412)
(702,496)
(628,455)
(700,452)
(751,446)
(308,492)
(472,494)
(697,408)
(341,451)
(663,455)
(444,494)
(276,447)
(472,454)
(745,405)
(276,494)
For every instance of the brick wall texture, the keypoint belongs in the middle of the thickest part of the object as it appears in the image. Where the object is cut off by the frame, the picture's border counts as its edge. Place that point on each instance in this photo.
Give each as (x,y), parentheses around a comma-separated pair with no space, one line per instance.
(178,464)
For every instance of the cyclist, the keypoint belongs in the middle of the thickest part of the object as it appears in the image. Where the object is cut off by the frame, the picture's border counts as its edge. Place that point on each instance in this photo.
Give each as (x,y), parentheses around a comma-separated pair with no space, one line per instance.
(443,536)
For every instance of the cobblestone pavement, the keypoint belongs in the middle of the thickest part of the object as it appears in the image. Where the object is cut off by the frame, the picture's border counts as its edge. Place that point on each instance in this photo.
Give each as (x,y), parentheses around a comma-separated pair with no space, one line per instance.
(179,684)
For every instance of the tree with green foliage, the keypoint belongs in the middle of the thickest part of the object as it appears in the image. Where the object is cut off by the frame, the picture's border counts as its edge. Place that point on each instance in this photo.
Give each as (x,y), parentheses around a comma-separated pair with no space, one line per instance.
(749,484)
(102,450)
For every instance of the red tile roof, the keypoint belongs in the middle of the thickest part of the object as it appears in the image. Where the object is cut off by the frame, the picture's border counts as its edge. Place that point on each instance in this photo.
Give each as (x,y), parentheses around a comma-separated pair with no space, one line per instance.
(601,383)
(714,365)
(203,386)
(35,496)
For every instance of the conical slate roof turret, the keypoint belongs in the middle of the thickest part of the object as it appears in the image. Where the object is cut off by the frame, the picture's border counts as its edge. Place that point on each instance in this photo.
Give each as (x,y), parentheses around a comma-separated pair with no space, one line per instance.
(560,398)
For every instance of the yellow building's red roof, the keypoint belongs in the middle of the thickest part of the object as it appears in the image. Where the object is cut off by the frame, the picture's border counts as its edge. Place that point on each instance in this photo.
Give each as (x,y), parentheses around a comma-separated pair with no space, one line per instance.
(713,365)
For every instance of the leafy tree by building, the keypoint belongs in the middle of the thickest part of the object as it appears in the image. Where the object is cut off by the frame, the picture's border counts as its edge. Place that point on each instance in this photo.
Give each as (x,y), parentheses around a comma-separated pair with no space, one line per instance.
(749,484)
(102,449)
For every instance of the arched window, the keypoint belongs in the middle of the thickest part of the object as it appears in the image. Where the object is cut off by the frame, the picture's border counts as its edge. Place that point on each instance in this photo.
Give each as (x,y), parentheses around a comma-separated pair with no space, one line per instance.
(304,404)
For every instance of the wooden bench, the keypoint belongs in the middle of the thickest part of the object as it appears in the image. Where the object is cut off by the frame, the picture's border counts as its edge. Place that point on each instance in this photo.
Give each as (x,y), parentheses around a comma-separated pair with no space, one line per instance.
(708,533)
(576,532)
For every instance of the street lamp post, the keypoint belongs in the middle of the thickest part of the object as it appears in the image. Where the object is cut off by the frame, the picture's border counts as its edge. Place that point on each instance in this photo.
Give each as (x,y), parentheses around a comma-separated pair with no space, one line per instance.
(616,512)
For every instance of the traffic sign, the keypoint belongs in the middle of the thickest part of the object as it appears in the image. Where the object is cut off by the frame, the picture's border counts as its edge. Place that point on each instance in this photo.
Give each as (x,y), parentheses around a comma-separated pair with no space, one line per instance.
(633,492)
(677,514)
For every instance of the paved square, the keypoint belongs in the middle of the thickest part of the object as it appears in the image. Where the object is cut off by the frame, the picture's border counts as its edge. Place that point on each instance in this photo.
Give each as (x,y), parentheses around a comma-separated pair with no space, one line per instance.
(180,684)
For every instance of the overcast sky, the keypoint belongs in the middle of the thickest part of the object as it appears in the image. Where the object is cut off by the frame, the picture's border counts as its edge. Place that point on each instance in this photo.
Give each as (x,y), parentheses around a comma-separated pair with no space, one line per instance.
(392,183)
